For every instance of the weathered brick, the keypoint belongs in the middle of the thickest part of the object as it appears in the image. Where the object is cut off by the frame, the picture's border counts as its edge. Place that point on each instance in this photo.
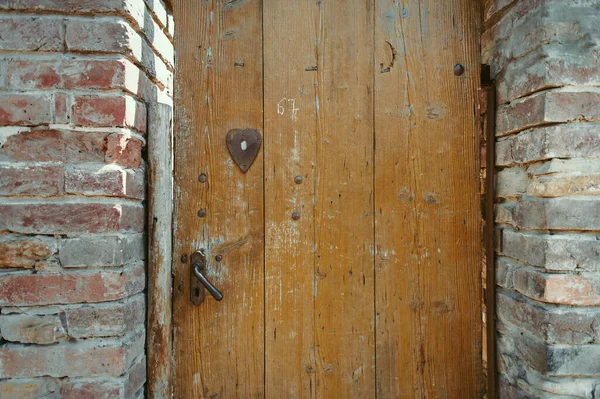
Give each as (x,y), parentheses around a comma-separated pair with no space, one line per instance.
(505,269)
(93,388)
(30,388)
(31,33)
(569,213)
(546,108)
(101,251)
(547,67)
(568,289)
(116,36)
(71,287)
(511,182)
(57,145)
(23,252)
(102,179)
(110,358)
(77,74)
(18,179)
(565,185)
(26,109)
(571,140)
(124,150)
(27,74)
(105,319)
(503,213)
(26,329)
(71,216)
(533,379)
(553,252)
(79,6)
(551,324)
(91,320)
(114,111)
(123,387)
(508,391)
(61,108)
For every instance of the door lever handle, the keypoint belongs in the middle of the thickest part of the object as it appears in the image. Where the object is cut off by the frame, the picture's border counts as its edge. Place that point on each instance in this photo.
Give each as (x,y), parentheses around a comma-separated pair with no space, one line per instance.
(198,261)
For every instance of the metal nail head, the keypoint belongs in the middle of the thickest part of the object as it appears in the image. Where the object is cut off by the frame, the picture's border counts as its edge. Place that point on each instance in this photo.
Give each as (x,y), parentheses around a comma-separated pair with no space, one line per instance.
(459,70)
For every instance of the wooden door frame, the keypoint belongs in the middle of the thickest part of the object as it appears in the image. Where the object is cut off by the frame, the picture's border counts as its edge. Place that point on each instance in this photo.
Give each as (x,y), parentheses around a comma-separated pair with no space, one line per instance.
(159,341)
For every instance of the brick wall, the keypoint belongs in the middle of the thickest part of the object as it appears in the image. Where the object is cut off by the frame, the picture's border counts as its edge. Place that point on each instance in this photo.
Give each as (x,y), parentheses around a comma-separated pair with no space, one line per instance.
(76,80)
(545,56)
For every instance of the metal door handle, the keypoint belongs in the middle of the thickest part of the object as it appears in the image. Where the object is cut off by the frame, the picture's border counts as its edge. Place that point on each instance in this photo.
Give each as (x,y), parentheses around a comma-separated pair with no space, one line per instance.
(198,261)
(205,282)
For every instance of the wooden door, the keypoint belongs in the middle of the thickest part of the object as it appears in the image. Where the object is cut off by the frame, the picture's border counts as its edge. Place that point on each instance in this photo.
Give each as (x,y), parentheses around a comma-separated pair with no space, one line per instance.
(348,254)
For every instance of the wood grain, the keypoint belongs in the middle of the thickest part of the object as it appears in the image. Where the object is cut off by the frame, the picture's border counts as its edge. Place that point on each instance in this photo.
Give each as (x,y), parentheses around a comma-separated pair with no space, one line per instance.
(160,213)
(428,232)
(319,269)
(218,345)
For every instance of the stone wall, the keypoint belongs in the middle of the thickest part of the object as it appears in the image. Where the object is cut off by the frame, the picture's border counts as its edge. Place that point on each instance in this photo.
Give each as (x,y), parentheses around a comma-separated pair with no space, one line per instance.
(545,57)
(76,80)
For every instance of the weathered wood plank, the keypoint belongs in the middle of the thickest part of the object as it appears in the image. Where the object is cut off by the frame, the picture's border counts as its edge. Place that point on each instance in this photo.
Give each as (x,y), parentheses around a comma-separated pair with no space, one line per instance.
(319,268)
(160,210)
(428,231)
(218,345)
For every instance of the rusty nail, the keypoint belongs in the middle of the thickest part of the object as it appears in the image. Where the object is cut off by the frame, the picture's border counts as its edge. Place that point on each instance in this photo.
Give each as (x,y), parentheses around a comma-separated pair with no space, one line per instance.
(459,70)
(184,258)
(219,258)
(295,215)
(202,178)
(298,179)
(202,213)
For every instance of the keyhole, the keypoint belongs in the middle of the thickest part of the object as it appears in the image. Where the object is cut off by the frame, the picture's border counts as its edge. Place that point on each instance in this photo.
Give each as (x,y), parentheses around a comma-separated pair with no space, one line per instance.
(244,145)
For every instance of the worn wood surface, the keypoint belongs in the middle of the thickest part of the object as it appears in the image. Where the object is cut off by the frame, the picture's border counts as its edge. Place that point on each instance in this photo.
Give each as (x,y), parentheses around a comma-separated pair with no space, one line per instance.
(319,268)
(374,288)
(160,210)
(218,345)
(428,232)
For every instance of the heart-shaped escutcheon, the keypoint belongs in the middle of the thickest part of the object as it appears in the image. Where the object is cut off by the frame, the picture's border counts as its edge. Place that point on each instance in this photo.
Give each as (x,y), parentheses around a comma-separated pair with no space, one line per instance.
(243,145)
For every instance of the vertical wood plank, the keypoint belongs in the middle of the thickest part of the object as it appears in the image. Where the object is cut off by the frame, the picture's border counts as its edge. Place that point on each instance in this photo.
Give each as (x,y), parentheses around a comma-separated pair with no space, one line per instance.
(428,232)
(160,212)
(219,346)
(319,269)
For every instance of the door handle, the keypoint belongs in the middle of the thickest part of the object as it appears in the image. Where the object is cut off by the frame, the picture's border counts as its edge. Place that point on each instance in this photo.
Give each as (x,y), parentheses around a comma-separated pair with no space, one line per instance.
(199,281)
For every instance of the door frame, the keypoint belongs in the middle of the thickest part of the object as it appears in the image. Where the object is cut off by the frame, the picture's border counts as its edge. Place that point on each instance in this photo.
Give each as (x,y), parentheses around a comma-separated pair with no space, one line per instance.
(159,339)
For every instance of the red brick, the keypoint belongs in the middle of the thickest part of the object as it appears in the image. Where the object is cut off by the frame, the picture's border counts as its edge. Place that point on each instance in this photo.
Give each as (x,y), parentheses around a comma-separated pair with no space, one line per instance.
(70,287)
(96,389)
(84,359)
(123,150)
(63,5)
(101,179)
(66,74)
(29,388)
(31,180)
(114,36)
(117,36)
(25,109)
(54,145)
(106,319)
(31,34)
(64,217)
(124,387)
(116,111)
(566,289)
(23,252)
(32,329)
(61,109)
(546,108)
